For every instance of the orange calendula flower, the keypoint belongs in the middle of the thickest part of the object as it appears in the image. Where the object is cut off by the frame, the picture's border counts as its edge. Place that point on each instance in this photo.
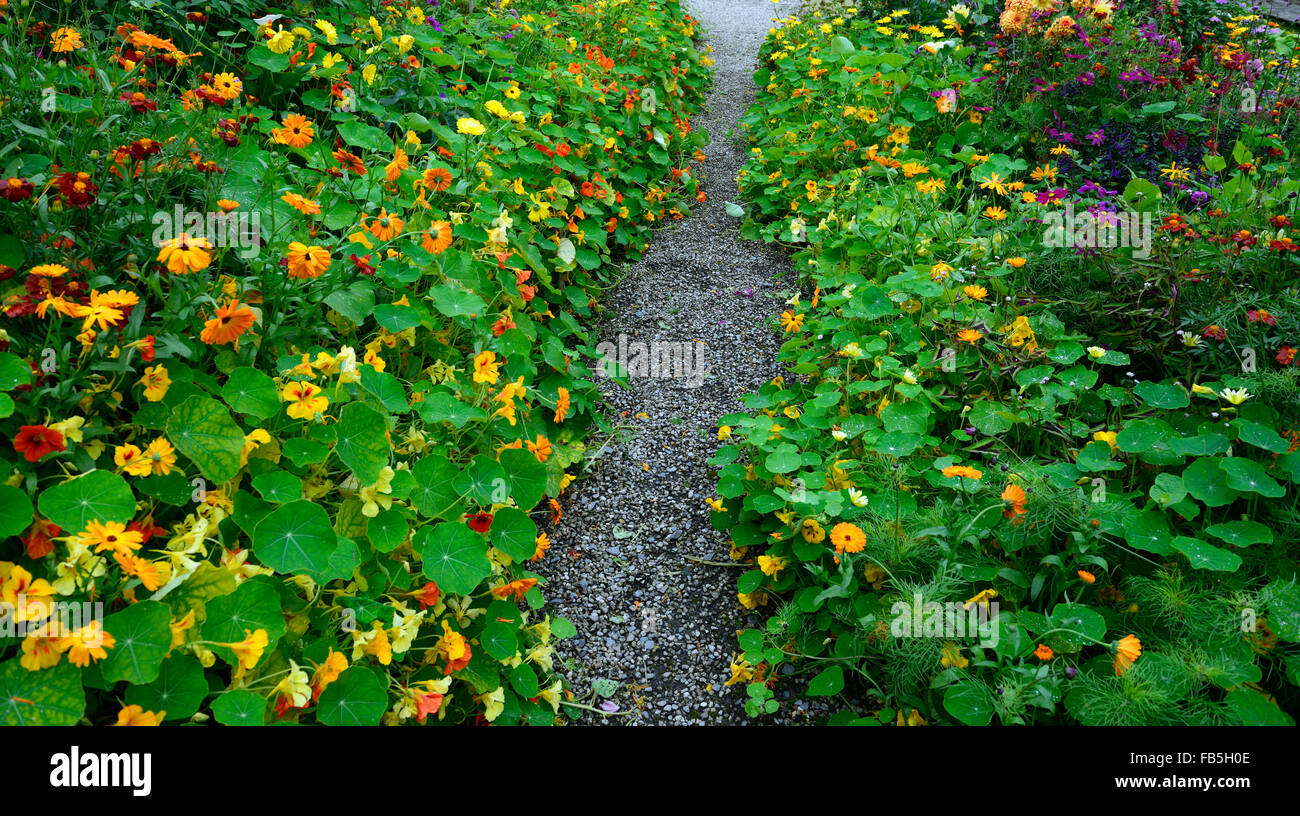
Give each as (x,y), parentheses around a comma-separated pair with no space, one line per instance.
(184,254)
(561,405)
(976,292)
(541,448)
(791,322)
(305,400)
(1127,651)
(1015,263)
(543,544)
(963,472)
(303,205)
(88,643)
(1014,495)
(307,261)
(383,226)
(1044,652)
(438,238)
(848,537)
(230,321)
(66,39)
(971,336)
(295,130)
(1087,577)
(111,535)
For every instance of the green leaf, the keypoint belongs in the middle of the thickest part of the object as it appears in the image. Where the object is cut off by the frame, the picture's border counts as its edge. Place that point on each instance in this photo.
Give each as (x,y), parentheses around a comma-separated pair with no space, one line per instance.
(1241,533)
(1207,482)
(201,428)
(295,538)
(254,605)
(1252,433)
(241,707)
(179,689)
(525,475)
(357,697)
(1161,395)
(1255,709)
(1168,489)
(143,637)
(99,495)
(440,406)
(14,371)
(359,134)
(435,494)
(514,533)
(15,511)
(387,530)
(1203,555)
(454,301)
(52,696)
(969,702)
(1082,626)
(829,681)
(278,486)
(249,391)
(1149,531)
(355,302)
(1249,476)
(524,681)
(785,459)
(454,556)
(484,481)
(362,441)
(500,640)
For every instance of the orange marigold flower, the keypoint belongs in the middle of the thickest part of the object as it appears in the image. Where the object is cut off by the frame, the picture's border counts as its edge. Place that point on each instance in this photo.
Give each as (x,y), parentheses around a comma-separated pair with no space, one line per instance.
(1044,652)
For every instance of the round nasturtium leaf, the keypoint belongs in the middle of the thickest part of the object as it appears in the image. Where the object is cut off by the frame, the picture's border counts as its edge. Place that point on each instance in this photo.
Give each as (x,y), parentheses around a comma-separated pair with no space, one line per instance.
(500,640)
(525,475)
(362,441)
(51,696)
(249,391)
(387,530)
(15,511)
(240,707)
(179,689)
(435,494)
(99,495)
(143,636)
(970,702)
(514,533)
(357,697)
(201,428)
(254,605)
(455,557)
(1207,482)
(295,538)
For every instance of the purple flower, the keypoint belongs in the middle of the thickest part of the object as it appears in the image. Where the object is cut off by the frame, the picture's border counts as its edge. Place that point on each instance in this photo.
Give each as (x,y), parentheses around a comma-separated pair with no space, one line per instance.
(1097,137)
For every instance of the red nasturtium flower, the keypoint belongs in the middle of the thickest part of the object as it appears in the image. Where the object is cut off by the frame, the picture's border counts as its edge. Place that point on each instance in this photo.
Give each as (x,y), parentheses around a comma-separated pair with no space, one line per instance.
(39,539)
(34,441)
(480,522)
(428,595)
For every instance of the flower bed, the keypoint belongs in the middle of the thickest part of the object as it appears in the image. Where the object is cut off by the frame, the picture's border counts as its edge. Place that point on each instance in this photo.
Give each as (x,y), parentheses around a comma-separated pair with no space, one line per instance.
(1034,459)
(290,348)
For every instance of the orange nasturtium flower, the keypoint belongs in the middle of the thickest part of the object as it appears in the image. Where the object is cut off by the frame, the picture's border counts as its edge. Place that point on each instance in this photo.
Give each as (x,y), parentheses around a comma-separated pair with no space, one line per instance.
(227,325)
(304,399)
(486,367)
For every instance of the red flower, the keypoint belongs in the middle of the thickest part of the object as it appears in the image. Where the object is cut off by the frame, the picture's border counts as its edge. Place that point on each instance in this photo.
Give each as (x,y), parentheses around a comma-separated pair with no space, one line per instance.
(1260,316)
(139,102)
(147,350)
(428,596)
(1279,221)
(16,189)
(426,704)
(34,441)
(1285,355)
(362,264)
(480,522)
(1214,332)
(77,189)
(38,539)
(563,149)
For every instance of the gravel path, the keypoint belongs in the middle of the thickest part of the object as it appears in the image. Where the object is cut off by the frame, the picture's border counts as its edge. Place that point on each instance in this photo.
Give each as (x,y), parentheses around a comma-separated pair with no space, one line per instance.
(660,625)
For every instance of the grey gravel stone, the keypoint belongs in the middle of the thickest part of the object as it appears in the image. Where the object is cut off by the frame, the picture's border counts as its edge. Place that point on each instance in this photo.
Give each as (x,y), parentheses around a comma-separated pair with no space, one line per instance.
(677,619)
